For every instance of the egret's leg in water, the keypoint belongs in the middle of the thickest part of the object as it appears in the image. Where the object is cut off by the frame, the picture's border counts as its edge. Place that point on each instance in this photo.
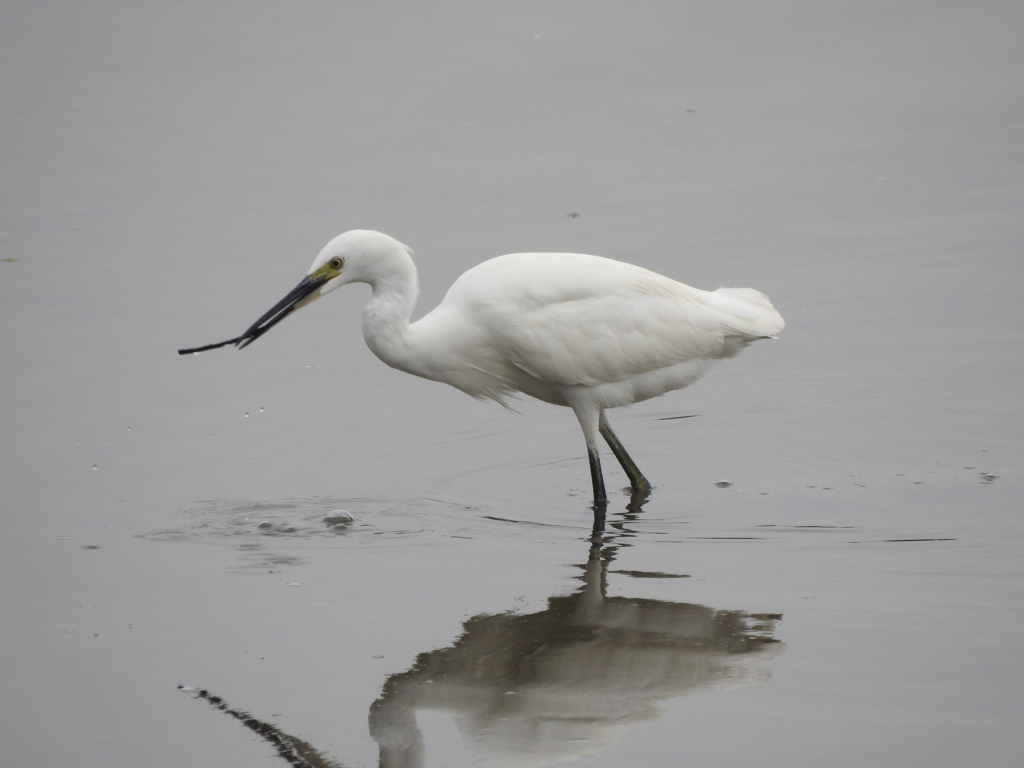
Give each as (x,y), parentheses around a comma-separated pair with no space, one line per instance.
(590,420)
(637,482)
(600,495)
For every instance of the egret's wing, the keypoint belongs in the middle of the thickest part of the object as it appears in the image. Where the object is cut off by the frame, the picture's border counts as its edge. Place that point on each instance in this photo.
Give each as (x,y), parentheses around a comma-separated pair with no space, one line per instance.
(570,319)
(606,339)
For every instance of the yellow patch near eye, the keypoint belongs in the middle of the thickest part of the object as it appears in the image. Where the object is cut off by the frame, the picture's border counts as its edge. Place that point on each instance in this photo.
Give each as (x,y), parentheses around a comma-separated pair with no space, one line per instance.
(329,270)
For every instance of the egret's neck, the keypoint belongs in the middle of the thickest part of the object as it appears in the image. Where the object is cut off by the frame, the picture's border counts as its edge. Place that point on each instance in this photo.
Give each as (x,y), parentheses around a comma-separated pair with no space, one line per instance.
(386,316)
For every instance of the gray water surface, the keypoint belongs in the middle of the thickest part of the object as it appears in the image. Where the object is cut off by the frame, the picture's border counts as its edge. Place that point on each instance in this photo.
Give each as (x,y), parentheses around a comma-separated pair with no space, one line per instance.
(829,570)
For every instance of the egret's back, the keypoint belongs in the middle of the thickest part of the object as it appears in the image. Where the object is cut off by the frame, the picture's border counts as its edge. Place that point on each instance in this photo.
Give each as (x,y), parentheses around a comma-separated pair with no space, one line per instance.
(576,320)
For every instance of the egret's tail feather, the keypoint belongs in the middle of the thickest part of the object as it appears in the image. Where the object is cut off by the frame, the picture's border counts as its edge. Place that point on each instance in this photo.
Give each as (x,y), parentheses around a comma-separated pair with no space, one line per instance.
(746,313)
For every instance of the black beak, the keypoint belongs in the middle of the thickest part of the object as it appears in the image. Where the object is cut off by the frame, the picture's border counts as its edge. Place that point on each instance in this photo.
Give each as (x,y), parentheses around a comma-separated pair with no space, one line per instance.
(280,311)
(276,314)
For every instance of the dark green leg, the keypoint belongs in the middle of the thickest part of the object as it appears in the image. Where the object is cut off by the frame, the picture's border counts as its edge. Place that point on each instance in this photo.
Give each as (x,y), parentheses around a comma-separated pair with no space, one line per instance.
(637,482)
(600,495)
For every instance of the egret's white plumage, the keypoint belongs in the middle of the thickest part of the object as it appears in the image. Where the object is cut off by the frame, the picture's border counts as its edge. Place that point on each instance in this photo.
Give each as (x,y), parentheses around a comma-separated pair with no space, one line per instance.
(580,331)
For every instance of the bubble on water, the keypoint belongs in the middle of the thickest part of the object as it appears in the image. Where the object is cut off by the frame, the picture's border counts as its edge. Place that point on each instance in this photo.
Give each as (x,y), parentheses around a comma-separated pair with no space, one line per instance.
(336,516)
(247,414)
(261,409)
(339,520)
(94,467)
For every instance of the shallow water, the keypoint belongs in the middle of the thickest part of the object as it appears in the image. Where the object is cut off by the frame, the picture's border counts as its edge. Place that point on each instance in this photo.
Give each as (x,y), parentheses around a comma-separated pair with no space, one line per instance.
(829,570)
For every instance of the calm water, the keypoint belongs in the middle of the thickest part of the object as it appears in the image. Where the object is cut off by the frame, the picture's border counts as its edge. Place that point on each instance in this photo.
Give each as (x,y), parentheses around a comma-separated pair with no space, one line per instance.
(379,569)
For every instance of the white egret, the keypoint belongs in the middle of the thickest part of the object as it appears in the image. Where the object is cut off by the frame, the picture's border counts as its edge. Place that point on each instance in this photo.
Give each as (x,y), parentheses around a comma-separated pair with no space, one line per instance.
(584,332)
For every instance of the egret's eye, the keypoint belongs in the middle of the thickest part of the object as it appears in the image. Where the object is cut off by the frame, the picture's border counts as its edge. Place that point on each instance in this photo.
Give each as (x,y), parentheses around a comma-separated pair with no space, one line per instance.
(336,263)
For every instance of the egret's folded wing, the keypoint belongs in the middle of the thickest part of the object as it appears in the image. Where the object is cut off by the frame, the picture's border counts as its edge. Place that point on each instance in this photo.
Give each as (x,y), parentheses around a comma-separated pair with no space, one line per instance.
(610,338)
(574,319)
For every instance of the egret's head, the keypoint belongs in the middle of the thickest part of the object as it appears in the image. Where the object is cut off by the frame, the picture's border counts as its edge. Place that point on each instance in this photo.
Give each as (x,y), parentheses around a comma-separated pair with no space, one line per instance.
(359,256)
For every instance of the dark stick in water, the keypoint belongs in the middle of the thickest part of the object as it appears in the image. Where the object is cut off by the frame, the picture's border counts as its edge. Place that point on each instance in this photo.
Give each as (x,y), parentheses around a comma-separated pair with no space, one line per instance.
(295,751)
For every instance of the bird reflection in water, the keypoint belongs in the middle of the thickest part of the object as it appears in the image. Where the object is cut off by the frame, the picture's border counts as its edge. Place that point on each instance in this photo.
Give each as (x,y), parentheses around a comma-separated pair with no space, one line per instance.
(548,687)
